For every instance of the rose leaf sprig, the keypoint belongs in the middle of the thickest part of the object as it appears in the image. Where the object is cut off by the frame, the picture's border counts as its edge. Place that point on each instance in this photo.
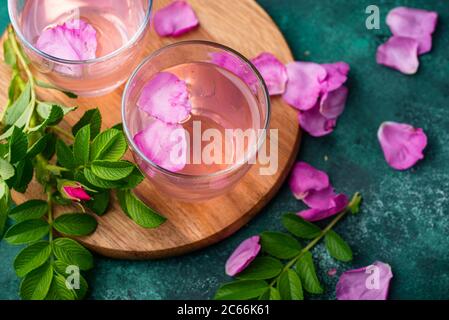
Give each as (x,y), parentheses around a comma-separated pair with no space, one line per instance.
(79,169)
(286,268)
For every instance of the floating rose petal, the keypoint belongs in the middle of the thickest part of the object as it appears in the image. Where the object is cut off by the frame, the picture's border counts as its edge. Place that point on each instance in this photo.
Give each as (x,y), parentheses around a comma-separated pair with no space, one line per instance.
(166,98)
(399,53)
(333,103)
(273,72)
(76,193)
(305,84)
(402,144)
(317,125)
(340,202)
(305,179)
(337,75)
(175,19)
(322,199)
(414,23)
(245,253)
(164,144)
(74,40)
(231,63)
(368,283)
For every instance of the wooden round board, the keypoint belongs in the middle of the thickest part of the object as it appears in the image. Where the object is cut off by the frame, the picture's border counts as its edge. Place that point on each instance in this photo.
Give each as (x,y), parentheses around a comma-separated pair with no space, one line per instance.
(246,27)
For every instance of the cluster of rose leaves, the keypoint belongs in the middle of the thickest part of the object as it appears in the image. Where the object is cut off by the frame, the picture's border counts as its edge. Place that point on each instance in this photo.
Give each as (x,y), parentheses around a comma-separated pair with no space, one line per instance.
(319,93)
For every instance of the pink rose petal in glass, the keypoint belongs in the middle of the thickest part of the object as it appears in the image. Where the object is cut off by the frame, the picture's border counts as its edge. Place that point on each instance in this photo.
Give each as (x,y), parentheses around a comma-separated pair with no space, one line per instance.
(231,63)
(273,72)
(305,178)
(399,53)
(74,40)
(414,23)
(321,199)
(245,253)
(368,283)
(76,193)
(166,98)
(402,144)
(337,75)
(340,202)
(175,19)
(333,103)
(315,124)
(304,85)
(164,144)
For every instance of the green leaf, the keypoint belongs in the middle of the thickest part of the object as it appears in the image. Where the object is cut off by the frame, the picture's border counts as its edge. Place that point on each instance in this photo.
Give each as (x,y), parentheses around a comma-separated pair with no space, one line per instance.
(27,232)
(337,247)
(289,286)
(23,176)
(38,147)
(51,115)
(262,268)
(59,290)
(299,227)
(307,274)
(8,53)
(138,211)
(109,145)
(61,268)
(271,294)
(81,147)
(72,253)
(36,284)
(6,170)
(112,170)
(18,146)
(98,182)
(32,257)
(280,245)
(49,151)
(133,180)
(91,117)
(4,206)
(18,108)
(75,224)
(30,210)
(355,204)
(100,202)
(65,155)
(241,290)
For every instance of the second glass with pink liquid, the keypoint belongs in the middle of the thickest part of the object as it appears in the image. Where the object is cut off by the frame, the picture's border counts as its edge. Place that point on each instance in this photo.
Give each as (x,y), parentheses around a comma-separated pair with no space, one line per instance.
(226,126)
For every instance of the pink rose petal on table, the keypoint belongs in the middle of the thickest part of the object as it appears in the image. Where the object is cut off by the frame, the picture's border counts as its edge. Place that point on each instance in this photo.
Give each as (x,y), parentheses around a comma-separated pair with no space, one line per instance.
(231,63)
(402,144)
(304,85)
(74,40)
(315,124)
(339,203)
(175,19)
(368,283)
(414,23)
(166,98)
(245,253)
(337,75)
(164,144)
(333,103)
(273,72)
(321,199)
(76,193)
(399,53)
(305,178)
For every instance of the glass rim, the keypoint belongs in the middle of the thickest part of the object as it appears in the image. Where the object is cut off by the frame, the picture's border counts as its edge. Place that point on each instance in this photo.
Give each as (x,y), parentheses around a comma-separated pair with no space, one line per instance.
(220,173)
(109,56)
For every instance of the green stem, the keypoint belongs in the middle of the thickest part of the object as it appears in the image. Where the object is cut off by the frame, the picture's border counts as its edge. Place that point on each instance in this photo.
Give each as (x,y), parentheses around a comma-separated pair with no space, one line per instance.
(62,132)
(355,202)
(55,169)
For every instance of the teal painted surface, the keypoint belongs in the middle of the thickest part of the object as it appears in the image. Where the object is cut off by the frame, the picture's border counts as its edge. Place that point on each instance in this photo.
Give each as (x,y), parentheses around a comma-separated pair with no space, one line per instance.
(405,220)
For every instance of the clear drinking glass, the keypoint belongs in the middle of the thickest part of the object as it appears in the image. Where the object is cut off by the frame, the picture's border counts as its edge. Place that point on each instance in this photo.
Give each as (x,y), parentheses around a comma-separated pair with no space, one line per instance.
(216,104)
(121,27)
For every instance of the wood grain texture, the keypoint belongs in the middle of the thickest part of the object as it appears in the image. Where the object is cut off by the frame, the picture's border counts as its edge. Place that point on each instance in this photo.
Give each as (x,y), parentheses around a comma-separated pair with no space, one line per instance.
(241,25)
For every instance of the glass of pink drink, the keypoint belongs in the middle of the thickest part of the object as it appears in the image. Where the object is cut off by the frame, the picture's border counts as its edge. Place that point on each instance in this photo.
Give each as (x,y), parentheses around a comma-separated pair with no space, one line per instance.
(120,27)
(222,99)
